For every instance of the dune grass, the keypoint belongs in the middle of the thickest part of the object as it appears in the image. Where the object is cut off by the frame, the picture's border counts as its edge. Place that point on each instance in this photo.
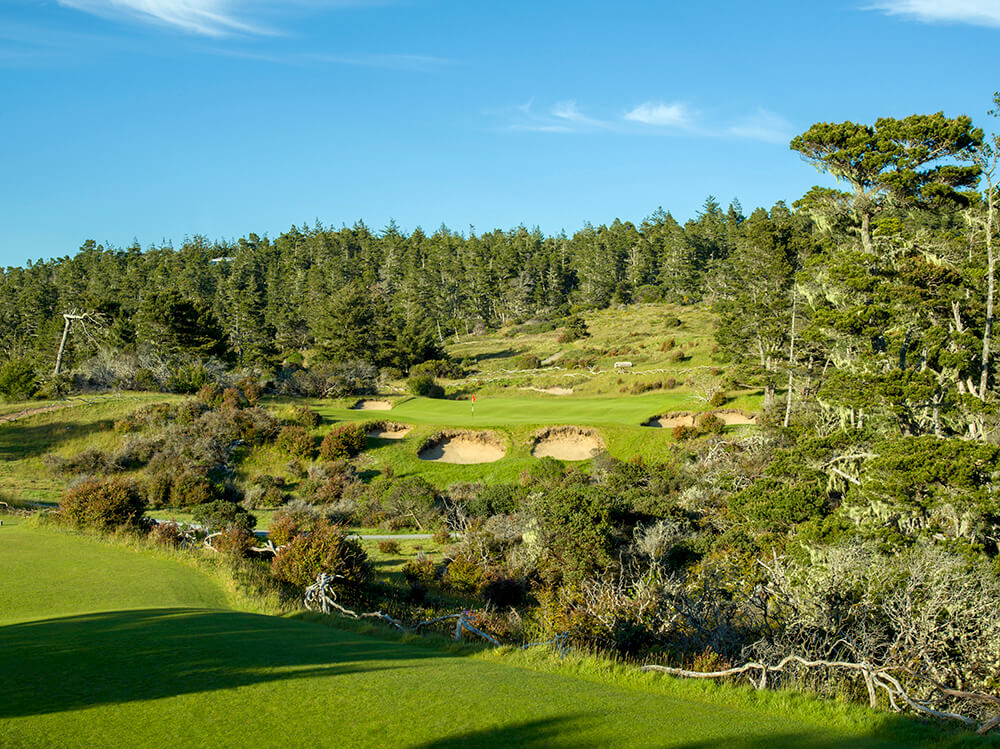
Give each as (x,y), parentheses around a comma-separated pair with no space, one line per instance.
(129,649)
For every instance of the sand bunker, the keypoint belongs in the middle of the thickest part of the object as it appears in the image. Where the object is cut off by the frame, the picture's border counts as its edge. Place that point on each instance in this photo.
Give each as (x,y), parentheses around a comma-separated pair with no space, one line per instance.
(686,418)
(388,430)
(551,391)
(736,418)
(370,405)
(463,448)
(567,443)
(669,421)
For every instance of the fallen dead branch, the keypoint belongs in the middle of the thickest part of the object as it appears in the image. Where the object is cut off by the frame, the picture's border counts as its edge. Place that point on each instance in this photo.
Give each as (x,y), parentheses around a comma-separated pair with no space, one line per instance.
(875,678)
(321,596)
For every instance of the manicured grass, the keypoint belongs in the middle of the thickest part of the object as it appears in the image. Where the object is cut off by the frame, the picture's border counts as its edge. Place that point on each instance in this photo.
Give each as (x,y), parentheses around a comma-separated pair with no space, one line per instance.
(515,418)
(49,572)
(102,660)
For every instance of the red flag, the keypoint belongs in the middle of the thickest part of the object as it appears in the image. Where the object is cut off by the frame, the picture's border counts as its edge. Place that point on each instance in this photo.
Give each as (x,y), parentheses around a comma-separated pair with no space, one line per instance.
(473,399)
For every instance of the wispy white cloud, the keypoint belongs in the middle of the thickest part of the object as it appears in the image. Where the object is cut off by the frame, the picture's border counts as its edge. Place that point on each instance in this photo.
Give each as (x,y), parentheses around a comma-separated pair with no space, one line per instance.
(974,12)
(215,18)
(659,114)
(561,117)
(763,125)
(395,61)
(205,17)
(652,118)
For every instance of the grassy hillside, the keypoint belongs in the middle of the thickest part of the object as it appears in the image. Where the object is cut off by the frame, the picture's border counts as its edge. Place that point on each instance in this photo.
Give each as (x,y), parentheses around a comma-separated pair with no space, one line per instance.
(73,426)
(124,649)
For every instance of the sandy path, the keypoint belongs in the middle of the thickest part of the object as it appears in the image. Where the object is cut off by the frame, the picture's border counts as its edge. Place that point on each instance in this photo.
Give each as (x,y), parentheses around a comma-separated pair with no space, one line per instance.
(33,412)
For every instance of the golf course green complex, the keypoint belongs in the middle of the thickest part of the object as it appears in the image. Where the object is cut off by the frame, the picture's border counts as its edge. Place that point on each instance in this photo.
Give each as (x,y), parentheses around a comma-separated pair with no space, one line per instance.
(105,645)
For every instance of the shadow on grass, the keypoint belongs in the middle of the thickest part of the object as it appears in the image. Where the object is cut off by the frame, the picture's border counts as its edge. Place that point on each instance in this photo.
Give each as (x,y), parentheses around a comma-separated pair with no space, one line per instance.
(75,662)
(578,731)
(19,440)
(502,354)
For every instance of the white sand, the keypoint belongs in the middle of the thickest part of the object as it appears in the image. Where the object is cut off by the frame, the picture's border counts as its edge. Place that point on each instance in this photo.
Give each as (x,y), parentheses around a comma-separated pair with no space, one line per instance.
(390,433)
(729,418)
(567,443)
(370,405)
(551,391)
(464,449)
(671,420)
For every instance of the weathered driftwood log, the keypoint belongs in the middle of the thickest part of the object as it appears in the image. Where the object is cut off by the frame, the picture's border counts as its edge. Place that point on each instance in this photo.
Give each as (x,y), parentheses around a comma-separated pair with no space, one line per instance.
(321,596)
(896,693)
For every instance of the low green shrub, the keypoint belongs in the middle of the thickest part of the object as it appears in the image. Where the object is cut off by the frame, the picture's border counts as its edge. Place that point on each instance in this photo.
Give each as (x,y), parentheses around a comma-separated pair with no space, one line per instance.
(527,361)
(325,548)
(295,440)
(221,514)
(464,575)
(389,547)
(105,505)
(344,441)
(712,424)
(425,386)
(420,570)
(18,380)
(441,537)
(234,541)
(306,417)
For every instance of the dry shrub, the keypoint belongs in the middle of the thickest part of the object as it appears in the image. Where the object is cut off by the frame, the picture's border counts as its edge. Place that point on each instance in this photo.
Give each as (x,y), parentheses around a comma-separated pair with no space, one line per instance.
(168,535)
(210,393)
(234,541)
(441,537)
(295,440)
(712,424)
(115,503)
(89,462)
(258,497)
(389,547)
(683,432)
(464,575)
(343,442)
(233,400)
(718,398)
(324,548)
(420,570)
(306,417)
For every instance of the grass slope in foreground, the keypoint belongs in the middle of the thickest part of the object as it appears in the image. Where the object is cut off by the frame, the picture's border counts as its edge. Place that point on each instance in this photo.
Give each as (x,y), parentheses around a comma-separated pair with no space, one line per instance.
(108,646)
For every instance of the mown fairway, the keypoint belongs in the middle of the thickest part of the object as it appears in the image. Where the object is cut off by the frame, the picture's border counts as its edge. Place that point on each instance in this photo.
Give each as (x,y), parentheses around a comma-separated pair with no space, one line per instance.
(109,647)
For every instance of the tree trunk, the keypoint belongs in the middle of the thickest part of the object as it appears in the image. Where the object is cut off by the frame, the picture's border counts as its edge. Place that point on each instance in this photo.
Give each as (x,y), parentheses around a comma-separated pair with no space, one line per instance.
(791,363)
(62,343)
(984,366)
(866,231)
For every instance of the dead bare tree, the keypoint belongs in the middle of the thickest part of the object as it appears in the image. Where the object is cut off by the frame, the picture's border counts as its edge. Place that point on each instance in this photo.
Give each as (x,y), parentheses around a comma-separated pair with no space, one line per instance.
(84,318)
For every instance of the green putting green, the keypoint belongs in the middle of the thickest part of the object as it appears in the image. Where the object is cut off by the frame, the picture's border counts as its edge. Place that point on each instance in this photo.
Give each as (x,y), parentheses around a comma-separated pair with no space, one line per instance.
(102,645)
(516,410)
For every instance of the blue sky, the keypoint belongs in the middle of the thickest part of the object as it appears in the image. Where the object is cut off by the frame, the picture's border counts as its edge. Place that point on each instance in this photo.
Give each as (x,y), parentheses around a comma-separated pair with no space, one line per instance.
(155,120)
